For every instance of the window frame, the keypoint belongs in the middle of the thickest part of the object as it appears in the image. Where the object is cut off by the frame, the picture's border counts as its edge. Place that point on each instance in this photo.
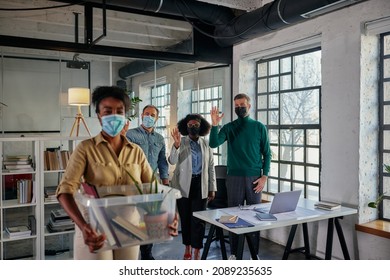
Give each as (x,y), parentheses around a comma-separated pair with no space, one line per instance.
(293,183)
(195,109)
(164,91)
(383,127)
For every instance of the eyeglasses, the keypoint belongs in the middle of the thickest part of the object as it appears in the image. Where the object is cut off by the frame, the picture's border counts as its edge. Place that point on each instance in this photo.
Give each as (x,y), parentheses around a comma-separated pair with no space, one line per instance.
(196,125)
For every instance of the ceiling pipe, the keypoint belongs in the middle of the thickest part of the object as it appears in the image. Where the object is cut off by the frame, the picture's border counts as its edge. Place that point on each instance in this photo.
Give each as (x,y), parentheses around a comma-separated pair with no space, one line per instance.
(143,66)
(213,14)
(140,67)
(269,18)
(230,30)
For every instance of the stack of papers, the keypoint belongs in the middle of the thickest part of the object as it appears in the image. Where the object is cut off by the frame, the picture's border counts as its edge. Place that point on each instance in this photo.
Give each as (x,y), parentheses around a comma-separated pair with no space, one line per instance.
(228,219)
(326,205)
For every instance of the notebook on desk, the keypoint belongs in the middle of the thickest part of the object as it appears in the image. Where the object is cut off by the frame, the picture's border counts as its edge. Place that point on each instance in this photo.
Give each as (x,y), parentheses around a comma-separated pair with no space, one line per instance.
(282,202)
(240,223)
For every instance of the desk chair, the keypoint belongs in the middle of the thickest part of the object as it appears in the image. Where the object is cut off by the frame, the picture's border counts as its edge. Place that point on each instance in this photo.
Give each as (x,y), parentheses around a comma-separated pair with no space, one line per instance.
(220,201)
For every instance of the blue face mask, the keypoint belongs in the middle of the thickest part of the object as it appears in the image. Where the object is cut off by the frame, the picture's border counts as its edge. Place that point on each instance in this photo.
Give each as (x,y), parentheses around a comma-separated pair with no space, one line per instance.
(113,124)
(148,121)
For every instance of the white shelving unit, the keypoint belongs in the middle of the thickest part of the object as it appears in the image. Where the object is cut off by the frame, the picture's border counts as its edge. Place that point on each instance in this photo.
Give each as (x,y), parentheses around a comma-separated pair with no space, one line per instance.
(43,244)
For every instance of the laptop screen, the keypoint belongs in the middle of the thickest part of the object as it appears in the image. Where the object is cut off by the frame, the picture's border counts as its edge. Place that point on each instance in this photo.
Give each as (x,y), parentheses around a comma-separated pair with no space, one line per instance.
(285,202)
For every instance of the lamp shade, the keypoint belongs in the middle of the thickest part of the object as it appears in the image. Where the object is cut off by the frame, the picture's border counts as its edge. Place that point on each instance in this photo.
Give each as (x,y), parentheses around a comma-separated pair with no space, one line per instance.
(79,96)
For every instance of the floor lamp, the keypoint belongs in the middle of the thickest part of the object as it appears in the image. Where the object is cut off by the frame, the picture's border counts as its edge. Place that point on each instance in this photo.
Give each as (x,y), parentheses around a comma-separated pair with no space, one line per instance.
(79,97)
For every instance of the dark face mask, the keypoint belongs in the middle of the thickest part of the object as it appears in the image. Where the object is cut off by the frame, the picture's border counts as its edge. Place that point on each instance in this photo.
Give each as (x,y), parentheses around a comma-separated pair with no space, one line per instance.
(194,131)
(240,111)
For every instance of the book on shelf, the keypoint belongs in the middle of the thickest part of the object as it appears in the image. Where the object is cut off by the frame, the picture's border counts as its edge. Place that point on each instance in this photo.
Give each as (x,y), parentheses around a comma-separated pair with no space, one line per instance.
(16,161)
(17,166)
(18,231)
(34,192)
(24,190)
(55,159)
(59,214)
(327,205)
(32,224)
(101,219)
(55,226)
(50,194)
(59,221)
(22,170)
(17,158)
(10,184)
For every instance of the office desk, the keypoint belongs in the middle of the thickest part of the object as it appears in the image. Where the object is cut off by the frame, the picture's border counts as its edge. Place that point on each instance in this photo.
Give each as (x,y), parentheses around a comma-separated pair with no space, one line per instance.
(305,213)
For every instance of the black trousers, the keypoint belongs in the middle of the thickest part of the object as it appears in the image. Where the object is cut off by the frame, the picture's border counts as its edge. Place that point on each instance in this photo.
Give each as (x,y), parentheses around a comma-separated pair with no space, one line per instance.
(192,228)
(146,251)
(240,190)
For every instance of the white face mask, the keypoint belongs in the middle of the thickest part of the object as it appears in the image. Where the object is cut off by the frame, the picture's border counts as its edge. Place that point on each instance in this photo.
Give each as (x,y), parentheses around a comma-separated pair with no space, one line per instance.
(113,124)
(148,121)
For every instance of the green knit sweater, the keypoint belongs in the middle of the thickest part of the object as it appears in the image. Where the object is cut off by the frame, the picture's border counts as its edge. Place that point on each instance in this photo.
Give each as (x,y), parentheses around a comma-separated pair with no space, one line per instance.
(248,146)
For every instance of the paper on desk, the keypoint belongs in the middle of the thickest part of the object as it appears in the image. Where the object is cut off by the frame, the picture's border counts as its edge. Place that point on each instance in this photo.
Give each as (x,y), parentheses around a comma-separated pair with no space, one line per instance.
(250,216)
(247,215)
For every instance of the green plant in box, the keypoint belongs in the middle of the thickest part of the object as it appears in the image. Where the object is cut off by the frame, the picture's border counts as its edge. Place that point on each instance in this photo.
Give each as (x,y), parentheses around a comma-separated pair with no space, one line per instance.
(156,220)
(150,207)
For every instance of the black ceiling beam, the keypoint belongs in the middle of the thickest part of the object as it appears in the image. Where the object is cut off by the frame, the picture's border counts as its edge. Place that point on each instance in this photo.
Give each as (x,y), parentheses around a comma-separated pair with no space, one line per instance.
(206,53)
(124,9)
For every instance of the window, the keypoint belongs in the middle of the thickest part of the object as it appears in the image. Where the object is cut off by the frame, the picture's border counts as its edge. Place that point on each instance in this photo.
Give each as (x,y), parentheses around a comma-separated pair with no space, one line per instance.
(201,103)
(288,103)
(161,98)
(384,125)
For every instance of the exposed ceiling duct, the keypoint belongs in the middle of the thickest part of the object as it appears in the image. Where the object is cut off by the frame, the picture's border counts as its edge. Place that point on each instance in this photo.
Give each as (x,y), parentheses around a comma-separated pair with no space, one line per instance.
(213,14)
(273,16)
(230,29)
(143,66)
(140,67)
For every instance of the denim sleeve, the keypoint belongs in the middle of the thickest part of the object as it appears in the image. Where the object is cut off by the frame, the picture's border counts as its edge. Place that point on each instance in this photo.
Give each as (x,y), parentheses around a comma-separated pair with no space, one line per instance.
(162,162)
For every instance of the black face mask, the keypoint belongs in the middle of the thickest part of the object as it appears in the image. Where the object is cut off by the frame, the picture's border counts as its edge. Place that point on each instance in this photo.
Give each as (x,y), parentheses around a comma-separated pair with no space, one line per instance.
(194,131)
(240,111)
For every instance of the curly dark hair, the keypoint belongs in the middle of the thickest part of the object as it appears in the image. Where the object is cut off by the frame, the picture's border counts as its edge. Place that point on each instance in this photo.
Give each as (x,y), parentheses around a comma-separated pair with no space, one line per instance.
(204,124)
(110,91)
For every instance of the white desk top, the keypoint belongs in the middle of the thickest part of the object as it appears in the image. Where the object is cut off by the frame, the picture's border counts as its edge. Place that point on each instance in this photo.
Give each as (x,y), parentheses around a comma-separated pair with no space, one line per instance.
(305,213)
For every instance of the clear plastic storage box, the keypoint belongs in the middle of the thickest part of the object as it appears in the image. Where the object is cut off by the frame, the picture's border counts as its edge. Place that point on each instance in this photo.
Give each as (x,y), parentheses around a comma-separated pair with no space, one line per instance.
(126,217)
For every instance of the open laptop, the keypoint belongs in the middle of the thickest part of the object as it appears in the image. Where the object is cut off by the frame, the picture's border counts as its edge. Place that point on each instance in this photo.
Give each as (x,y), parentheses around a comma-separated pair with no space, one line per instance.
(282,202)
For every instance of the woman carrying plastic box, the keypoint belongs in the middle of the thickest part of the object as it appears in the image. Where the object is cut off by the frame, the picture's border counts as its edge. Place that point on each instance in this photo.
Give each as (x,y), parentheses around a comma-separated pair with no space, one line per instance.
(103,161)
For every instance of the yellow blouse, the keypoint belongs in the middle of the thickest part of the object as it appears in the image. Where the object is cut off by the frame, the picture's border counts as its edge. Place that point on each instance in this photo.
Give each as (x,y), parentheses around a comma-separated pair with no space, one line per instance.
(95,161)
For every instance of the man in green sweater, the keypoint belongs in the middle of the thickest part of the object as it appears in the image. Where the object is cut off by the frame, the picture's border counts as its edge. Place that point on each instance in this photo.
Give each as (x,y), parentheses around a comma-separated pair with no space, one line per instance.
(248,158)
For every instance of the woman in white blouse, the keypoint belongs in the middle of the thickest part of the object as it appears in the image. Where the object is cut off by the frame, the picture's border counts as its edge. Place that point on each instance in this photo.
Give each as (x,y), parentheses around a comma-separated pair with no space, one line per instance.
(194,176)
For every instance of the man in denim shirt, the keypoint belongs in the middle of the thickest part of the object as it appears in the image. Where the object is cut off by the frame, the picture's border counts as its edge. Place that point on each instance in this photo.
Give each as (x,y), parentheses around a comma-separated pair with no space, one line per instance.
(153,145)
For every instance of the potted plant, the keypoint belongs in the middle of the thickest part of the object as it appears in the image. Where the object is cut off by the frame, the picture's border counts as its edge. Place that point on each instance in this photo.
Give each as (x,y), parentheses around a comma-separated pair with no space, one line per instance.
(155,218)
(132,114)
(375,204)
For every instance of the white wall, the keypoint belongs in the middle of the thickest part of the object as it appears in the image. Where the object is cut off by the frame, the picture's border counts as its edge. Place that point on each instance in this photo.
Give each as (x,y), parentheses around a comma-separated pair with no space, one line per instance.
(348,115)
(35,92)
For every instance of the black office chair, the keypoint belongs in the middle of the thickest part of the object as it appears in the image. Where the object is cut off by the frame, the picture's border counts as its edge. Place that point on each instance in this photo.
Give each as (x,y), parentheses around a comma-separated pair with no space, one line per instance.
(220,201)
